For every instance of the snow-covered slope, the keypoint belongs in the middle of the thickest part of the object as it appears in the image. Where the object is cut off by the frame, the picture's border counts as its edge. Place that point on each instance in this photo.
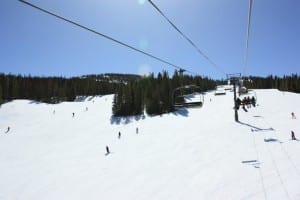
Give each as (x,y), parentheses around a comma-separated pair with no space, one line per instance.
(198,153)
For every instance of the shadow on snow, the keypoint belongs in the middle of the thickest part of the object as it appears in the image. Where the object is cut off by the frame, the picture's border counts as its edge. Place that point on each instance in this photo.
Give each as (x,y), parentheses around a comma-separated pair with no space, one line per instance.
(182,112)
(128,119)
(125,119)
(271,140)
(255,128)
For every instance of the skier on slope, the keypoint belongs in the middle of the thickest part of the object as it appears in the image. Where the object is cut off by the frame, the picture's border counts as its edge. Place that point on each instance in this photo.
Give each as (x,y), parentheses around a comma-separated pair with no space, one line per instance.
(119,135)
(293,115)
(8,129)
(107,150)
(293,135)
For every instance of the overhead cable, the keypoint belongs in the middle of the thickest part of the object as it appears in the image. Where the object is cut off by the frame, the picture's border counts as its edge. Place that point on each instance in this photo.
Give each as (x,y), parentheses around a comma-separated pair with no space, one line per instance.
(247,36)
(185,37)
(103,35)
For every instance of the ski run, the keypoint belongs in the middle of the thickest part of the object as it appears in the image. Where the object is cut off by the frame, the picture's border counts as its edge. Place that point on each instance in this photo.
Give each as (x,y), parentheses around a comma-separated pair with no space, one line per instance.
(50,152)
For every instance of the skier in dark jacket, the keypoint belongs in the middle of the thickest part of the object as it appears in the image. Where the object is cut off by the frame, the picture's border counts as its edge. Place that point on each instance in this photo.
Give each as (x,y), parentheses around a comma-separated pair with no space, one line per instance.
(8,129)
(119,135)
(293,135)
(107,150)
(293,115)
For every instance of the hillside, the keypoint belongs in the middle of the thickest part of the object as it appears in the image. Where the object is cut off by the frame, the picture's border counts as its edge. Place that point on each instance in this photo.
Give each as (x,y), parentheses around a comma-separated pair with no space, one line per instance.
(198,153)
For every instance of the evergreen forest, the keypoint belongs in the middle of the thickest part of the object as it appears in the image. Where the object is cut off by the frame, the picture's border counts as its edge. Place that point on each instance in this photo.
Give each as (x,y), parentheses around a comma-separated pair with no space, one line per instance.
(134,94)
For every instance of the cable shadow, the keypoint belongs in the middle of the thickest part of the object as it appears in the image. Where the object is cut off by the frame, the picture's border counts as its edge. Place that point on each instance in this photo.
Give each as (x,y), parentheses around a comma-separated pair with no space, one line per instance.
(270,140)
(249,161)
(255,128)
(254,163)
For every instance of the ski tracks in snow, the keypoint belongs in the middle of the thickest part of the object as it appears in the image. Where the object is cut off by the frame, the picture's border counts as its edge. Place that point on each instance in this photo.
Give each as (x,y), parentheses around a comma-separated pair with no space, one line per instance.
(277,165)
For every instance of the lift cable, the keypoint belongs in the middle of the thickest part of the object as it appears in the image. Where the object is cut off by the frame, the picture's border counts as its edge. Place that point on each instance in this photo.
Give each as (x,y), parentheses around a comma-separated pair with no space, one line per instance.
(183,35)
(247,37)
(103,35)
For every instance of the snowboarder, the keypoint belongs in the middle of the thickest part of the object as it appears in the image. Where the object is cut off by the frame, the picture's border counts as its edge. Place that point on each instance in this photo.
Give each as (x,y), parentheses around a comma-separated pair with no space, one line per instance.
(8,129)
(137,130)
(73,114)
(119,135)
(293,115)
(293,135)
(107,150)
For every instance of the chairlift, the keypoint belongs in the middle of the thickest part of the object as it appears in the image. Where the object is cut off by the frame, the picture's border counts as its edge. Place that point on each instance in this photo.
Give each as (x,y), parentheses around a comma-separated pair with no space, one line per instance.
(220,90)
(250,93)
(242,89)
(188,96)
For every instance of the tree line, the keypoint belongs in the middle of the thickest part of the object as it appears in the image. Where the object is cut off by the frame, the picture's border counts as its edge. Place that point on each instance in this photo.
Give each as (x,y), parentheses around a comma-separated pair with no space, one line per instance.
(134,94)
(53,89)
(155,95)
(286,83)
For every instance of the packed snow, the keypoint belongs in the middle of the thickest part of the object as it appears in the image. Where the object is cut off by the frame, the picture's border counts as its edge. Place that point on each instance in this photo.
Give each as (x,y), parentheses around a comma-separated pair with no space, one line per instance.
(197,153)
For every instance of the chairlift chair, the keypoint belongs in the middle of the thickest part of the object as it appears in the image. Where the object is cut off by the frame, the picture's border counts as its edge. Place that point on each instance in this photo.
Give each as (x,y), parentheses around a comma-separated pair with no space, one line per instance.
(187,96)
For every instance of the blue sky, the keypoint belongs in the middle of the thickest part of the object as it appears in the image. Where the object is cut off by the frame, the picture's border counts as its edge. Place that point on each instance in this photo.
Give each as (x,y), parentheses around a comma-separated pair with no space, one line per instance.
(38,44)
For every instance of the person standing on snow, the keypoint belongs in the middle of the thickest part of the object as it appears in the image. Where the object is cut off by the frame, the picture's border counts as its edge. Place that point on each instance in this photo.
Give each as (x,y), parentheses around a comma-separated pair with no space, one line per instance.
(119,135)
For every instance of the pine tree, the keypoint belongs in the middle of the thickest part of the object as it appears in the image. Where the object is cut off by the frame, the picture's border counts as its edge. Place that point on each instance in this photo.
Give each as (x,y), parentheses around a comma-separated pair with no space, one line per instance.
(1,96)
(138,99)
